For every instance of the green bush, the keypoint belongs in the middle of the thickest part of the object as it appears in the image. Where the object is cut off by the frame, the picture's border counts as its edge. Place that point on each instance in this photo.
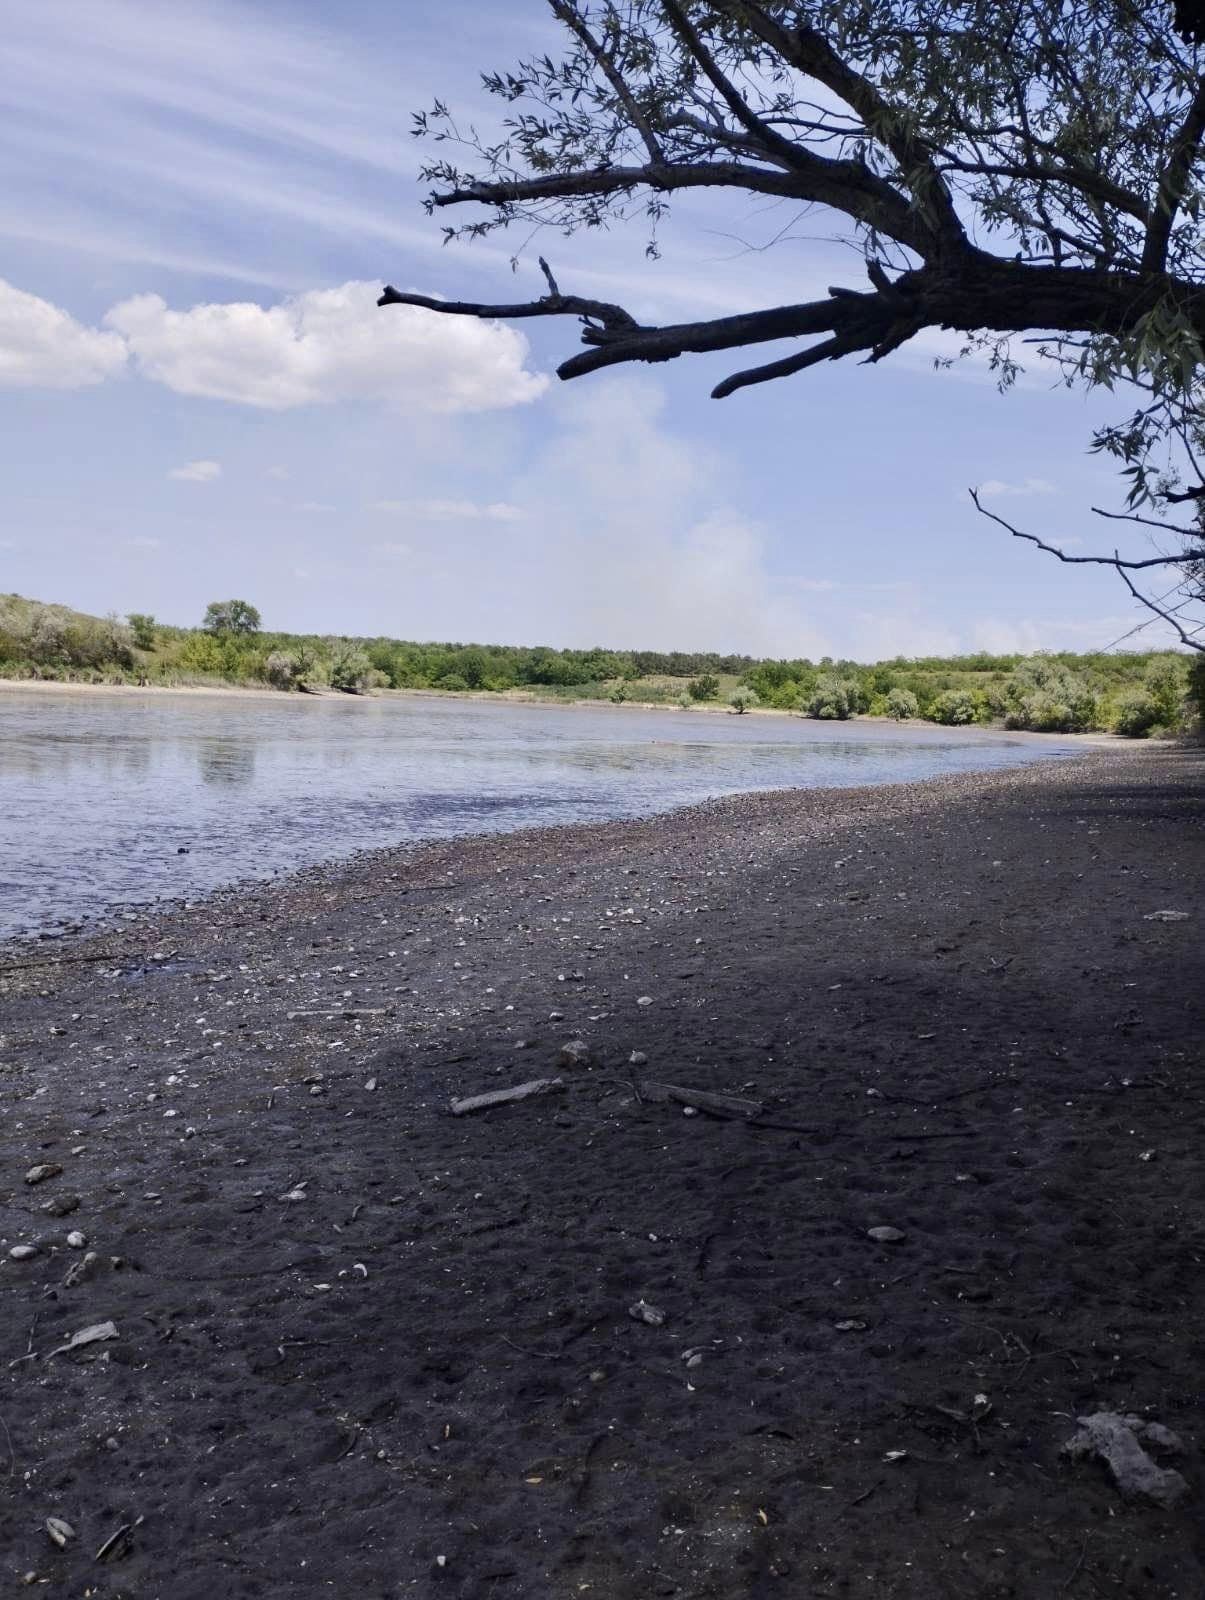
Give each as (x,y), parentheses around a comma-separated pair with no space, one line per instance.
(350,669)
(706,687)
(902,704)
(954,708)
(833,700)
(742,700)
(1136,714)
(1047,697)
(452,681)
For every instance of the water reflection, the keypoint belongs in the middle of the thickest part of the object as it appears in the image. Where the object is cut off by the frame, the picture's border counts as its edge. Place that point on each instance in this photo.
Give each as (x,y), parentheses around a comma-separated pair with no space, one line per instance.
(226,761)
(99,794)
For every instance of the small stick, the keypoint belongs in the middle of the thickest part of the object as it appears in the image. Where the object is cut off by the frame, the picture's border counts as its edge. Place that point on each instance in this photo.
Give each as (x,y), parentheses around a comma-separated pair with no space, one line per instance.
(115,1539)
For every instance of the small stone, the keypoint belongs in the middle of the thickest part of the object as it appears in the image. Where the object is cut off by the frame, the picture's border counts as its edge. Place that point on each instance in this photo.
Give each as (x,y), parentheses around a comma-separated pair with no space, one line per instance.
(556,1016)
(295,1194)
(76,1239)
(643,1312)
(638,1059)
(44,1170)
(1148,1155)
(690,1111)
(644,1000)
(60,1532)
(23,1252)
(370,1085)
(886,1235)
(576,1053)
(62,1205)
(598,1376)
(850,1325)
(694,1360)
(1166,916)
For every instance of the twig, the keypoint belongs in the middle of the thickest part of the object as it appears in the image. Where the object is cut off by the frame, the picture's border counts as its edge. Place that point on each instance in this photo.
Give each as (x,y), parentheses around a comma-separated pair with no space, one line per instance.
(544,1355)
(1076,1569)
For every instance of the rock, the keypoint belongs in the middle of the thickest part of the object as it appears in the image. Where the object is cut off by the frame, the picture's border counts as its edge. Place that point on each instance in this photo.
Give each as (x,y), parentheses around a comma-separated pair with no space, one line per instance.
(1114,1439)
(60,1532)
(1166,916)
(23,1252)
(295,1195)
(886,1235)
(850,1325)
(90,1335)
(76,1239)
(643,1312)
(62,1205)
(644,1000)
(44,1170)
(638,1059)
(556,1016)
(576,1053)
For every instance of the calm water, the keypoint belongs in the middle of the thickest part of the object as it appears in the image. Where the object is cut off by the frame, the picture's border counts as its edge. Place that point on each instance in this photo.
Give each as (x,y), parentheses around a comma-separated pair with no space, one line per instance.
(98,793)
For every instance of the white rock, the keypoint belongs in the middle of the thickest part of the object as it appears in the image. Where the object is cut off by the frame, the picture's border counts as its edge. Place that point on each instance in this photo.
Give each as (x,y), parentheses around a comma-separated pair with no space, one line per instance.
(22,1252)
(76,1239)
(885,1235)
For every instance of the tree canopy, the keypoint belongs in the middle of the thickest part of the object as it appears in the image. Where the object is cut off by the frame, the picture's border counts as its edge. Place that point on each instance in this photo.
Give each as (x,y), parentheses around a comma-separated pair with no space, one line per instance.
(1007,169)
(231,616)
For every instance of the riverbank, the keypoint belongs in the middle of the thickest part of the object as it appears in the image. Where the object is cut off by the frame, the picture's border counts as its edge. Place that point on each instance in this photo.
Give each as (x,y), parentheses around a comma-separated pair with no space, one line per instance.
(363,1347)
(518,697)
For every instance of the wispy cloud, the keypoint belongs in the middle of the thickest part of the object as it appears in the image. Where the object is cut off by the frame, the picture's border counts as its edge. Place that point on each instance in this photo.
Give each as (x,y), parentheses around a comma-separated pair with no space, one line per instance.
(315,506)
(143,543)
(998,488)
(450,510)
(197,472)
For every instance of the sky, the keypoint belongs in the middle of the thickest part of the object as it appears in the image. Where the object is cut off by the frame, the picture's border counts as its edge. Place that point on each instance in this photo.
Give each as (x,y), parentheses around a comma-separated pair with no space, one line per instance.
(199,204)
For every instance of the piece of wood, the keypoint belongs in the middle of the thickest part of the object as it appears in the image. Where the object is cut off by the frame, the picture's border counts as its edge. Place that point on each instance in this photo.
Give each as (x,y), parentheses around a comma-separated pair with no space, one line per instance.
(349,1014)
(502,1097)
(720,1105)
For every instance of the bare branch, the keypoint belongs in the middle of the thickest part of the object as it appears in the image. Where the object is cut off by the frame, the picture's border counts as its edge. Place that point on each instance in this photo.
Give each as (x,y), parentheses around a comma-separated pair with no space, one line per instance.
(552,305)
(1169,617)
(1091,561)
(830,350)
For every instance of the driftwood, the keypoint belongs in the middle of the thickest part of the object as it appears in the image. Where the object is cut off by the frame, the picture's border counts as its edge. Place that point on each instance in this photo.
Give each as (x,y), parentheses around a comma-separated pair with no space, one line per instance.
(348,1013)
(502,1097)
(720,1105)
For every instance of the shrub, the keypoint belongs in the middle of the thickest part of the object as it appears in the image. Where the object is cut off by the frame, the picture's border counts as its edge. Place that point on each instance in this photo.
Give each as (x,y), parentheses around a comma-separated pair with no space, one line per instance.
(350,669)
(902,704)
(618,694)
(142,629)
(742,700)
(452,681)
(1136,714)
(280,669)
(833,700)
(706,687)
(1047,697)
(954,708)
(1164,683)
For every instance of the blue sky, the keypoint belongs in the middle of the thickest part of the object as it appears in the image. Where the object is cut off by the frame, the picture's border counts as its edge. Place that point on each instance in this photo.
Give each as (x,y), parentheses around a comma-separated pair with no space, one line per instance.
(198,397)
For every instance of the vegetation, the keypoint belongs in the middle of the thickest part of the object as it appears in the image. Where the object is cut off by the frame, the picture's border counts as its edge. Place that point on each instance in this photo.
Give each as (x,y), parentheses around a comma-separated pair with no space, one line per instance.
(1029,176)
(1133,693)
(231,616)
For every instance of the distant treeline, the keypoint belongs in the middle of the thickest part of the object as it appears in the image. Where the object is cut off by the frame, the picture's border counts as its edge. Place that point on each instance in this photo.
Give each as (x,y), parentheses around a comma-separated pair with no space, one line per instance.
(1132,692)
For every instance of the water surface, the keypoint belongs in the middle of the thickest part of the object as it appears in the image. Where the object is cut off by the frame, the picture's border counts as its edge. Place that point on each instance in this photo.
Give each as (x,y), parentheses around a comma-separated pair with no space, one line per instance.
(100,794)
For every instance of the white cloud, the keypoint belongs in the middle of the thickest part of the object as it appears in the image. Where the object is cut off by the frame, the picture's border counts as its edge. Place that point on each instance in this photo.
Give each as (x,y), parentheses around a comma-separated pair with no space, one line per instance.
(315,505)
(997,487)
(143,544)
(451,510)
(394,549)
(328,345)
(42,347)
(197,472)
(280,473)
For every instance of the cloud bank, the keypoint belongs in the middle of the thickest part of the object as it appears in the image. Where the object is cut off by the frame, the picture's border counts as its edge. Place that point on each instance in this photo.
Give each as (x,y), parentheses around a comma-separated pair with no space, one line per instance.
(316,348)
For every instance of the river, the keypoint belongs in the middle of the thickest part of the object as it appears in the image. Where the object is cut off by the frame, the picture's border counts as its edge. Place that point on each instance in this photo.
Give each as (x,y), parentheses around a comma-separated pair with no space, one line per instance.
(111,801)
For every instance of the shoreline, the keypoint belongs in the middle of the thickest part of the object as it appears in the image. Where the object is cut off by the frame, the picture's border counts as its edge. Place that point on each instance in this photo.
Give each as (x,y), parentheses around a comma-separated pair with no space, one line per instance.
(415,1327)
(972,732)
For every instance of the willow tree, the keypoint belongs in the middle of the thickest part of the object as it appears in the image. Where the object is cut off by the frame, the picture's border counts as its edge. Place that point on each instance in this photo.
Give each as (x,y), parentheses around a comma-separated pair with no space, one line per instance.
(1025,173)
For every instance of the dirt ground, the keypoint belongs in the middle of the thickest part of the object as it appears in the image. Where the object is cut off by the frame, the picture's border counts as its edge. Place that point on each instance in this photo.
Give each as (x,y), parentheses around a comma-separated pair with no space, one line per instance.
(365,1348)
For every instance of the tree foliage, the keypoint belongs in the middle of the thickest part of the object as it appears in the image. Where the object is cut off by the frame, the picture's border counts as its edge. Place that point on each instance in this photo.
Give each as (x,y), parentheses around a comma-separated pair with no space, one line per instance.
(231,617)
(1006,168)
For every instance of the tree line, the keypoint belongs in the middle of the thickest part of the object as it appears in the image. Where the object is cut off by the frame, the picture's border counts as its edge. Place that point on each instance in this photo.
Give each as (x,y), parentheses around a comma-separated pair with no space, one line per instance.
(1133,693)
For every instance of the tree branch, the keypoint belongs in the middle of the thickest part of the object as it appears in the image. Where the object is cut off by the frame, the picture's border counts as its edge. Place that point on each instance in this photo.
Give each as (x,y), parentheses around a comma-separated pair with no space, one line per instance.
(551,305)
(1172,183)
(830,350)
(809,52)
(1092,561)
(1152,605)
(576,23)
